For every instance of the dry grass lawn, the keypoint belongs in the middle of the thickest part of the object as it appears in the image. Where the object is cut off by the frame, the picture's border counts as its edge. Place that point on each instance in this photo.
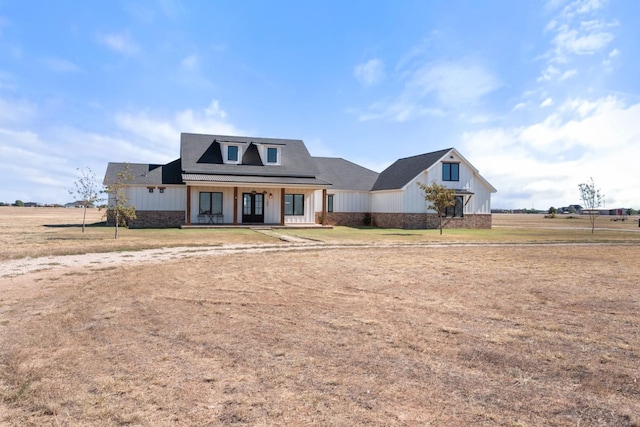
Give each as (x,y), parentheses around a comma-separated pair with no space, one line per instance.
(488,334)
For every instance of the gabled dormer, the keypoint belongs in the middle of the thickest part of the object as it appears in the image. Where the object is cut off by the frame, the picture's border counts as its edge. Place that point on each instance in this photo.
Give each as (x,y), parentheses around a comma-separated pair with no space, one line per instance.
(257,154)
(231,152)
(271,154)
(233,155)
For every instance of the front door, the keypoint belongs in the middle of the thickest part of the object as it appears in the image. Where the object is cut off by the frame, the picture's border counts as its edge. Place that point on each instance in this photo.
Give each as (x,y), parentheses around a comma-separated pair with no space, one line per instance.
(253,208)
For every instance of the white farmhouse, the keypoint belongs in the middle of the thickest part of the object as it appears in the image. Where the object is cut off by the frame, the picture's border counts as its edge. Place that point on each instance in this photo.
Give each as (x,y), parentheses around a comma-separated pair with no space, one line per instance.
(243,181)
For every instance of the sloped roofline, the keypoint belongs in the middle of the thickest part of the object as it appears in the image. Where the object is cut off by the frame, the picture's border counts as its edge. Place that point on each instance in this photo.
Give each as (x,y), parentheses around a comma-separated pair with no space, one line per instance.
(403,171)
(475,170)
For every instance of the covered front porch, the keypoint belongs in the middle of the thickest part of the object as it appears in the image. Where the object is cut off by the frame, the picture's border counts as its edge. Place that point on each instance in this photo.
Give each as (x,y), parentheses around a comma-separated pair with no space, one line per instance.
(216,205)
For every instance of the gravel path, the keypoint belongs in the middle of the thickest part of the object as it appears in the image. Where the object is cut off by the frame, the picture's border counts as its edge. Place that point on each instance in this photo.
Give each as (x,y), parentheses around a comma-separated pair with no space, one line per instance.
(21,266)
(12,268)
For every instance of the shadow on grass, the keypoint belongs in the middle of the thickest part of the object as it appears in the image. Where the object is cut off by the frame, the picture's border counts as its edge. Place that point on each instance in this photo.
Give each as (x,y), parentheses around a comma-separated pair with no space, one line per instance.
(95,224)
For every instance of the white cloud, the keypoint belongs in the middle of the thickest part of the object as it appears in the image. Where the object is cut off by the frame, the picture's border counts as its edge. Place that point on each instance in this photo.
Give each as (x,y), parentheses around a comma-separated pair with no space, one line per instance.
(454,83)
(581,7)
(39,164)
(190,62)
(160,134)
(16,111)
(590,38)
(60,65)
(543,163)
(579,31)
(318,148)
(434,87)
(370,73)
(548,73)
(38,168)
(568,74)
(120,43)
(547,103)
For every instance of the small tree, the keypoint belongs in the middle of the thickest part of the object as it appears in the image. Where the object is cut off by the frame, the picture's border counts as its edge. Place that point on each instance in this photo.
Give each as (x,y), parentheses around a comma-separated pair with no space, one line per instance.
(118,202)
(86,192)
(592,199)
(439,198)
(19,203)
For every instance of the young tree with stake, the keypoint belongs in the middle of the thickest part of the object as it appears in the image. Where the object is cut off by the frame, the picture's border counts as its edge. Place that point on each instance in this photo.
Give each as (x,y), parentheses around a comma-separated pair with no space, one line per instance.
(87,191)
(118,202)
(592,199)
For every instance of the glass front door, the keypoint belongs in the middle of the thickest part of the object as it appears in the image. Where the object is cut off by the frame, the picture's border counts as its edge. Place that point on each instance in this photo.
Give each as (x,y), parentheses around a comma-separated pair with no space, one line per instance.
(253,208)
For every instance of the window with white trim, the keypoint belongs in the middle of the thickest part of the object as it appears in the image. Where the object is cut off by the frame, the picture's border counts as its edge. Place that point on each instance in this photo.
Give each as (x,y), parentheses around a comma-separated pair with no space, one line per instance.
(233,153)
(272,155)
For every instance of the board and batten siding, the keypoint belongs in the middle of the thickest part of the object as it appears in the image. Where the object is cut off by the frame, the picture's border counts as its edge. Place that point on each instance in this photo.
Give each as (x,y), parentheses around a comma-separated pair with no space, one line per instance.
(345,201)
(309,216)
(227,202)
(388,201)
(481,200)
(174,198)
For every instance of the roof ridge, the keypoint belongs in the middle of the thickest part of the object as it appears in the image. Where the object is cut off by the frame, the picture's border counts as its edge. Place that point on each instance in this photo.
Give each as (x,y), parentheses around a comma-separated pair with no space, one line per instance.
(426,154)
(217,136)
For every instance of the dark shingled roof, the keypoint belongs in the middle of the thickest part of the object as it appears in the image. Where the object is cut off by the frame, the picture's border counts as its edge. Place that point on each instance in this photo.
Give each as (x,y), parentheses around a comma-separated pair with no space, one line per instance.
(145,174)
(201,154)
(344,175)
(253,179)
(402,171)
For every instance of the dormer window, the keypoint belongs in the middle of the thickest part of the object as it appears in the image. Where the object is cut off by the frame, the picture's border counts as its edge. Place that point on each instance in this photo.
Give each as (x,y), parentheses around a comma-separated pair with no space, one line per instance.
(272,155)
(232,153)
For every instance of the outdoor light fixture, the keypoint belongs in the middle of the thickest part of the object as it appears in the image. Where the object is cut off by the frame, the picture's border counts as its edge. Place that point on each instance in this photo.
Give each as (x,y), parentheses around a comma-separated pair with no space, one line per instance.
(270,195)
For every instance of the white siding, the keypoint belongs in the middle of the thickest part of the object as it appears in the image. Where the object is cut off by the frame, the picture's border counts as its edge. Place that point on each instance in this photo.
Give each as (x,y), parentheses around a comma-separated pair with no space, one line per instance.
(480,201)
(413,195)
(387,201)
(227,202)
(173,198)
(345,201)
(309,216)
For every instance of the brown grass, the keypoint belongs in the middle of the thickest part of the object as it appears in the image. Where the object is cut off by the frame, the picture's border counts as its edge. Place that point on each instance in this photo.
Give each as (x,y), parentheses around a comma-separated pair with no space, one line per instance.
(41,232)
(512,335)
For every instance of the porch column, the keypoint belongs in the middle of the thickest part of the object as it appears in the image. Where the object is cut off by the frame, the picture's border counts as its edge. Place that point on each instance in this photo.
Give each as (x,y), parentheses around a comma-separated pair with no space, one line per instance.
(235,205)
(282,206)
(188,205)
(324,206)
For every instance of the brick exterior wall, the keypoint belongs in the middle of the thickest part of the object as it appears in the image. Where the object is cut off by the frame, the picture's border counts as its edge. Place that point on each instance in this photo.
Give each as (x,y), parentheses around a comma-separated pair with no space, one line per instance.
(347,219)
(429,221)
(153,219)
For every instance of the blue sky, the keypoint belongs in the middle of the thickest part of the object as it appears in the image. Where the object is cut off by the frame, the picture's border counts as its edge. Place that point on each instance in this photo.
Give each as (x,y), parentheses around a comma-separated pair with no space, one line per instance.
(539,96)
